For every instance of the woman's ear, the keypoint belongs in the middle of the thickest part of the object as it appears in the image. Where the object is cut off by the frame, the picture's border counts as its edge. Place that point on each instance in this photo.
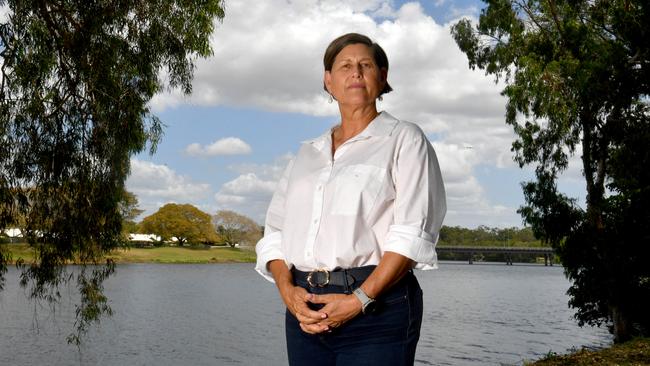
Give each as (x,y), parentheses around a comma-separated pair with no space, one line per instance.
(327,80)
(383,76)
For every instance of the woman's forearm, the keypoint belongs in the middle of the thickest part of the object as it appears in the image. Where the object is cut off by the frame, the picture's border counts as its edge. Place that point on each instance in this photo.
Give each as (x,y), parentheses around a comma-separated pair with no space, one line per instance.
(390,270)
(281,275)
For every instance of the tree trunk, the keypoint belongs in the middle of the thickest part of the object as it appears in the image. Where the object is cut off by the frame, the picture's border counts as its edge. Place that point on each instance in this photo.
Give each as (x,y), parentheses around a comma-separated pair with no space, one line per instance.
(593,165)
(621,324)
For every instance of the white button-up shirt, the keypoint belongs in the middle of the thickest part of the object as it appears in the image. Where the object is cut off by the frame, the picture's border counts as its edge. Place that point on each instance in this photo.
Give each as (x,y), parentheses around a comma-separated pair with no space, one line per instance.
(381,191)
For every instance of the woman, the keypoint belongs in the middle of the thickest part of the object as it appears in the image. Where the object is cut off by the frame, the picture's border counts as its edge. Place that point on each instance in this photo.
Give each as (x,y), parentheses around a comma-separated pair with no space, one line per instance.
(355,211)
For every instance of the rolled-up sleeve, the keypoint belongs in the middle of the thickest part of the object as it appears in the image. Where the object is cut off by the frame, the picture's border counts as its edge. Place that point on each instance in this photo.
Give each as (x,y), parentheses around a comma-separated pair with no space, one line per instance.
(270,246)
(420,203)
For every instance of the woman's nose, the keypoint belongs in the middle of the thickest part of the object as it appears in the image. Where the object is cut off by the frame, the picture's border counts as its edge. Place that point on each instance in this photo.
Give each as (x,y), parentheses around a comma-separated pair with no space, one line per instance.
(357,70)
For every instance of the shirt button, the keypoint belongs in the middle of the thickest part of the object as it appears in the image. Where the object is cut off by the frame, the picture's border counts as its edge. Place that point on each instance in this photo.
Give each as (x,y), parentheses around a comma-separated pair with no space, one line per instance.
(320,187)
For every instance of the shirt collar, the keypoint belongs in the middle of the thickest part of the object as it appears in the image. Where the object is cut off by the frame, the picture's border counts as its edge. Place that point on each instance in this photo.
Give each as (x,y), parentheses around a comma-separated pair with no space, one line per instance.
(382,125)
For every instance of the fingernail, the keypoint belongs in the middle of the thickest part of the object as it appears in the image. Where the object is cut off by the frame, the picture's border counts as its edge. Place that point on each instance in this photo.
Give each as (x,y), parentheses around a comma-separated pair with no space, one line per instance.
(323,315)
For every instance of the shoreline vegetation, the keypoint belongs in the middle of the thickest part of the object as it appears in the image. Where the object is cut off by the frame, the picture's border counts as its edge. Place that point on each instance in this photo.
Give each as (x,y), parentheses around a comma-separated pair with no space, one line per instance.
(632,353)
(162,255)
(199,254)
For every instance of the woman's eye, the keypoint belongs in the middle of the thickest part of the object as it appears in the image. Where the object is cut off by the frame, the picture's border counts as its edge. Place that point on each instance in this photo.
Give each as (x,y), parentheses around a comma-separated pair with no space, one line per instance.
(346,66)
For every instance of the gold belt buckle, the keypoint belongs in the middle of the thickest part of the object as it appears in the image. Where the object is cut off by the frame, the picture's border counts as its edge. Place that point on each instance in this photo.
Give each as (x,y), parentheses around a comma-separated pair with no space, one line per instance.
(327,278)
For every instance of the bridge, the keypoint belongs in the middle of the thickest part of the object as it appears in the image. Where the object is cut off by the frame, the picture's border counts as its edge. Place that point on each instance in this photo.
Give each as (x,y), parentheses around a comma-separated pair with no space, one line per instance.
(508,251)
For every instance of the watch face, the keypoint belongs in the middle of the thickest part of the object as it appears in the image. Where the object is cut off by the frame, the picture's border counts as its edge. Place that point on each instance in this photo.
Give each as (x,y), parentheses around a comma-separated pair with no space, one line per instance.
(371,308)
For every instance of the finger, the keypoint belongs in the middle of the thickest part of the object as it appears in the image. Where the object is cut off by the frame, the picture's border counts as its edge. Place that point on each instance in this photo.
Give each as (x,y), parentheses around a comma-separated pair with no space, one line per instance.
(329,325)
(313,328)
(330,310)
(308,297)
(305,311)
(322,299)
(307,320)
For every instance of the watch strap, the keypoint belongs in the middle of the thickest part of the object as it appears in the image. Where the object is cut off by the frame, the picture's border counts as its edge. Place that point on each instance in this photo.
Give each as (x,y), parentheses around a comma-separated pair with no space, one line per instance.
(363,298)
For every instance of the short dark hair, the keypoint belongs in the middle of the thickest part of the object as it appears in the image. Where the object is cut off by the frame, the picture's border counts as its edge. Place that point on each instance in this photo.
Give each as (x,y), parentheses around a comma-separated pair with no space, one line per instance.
(355,38)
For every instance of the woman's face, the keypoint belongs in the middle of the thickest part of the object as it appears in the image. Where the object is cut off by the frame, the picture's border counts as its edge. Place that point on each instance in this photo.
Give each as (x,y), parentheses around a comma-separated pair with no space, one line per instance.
(355,78)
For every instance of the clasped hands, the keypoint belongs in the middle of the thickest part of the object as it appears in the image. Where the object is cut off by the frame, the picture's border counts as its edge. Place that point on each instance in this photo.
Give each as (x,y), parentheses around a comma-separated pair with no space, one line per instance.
(338,309)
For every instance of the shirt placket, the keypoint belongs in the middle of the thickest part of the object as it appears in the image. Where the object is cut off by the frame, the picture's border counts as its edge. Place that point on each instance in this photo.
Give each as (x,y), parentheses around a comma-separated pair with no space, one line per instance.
(317,214)
(318,200)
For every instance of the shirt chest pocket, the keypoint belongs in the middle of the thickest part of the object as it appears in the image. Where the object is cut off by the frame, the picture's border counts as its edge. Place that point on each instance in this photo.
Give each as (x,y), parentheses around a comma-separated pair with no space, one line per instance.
(356,188)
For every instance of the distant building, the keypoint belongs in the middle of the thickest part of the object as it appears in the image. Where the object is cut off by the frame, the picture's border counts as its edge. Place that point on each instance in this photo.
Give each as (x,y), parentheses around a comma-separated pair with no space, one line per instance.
(13,232)
(15,235)
(144,240)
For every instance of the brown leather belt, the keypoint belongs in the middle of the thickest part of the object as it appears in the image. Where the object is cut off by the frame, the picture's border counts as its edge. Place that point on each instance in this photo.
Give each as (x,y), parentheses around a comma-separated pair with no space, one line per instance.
(337,277)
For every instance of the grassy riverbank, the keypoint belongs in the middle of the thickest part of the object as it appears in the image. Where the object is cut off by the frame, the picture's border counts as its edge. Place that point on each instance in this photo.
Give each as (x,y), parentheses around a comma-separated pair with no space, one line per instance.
(633,353)
(159,255)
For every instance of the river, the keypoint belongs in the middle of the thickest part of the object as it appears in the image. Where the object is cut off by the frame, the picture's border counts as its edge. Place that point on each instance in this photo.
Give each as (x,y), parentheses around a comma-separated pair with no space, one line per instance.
(226,314)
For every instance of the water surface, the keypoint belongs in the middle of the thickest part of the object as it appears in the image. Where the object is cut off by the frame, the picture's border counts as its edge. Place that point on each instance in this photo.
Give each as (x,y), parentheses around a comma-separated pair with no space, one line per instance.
(226,314)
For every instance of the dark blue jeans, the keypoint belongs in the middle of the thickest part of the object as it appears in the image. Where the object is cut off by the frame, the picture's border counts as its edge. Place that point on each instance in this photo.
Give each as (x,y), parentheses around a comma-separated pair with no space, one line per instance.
(387,337)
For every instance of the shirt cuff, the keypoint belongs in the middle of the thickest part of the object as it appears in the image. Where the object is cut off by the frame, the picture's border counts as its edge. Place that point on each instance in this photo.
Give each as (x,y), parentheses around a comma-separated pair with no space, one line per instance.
(268,249)
(414,244)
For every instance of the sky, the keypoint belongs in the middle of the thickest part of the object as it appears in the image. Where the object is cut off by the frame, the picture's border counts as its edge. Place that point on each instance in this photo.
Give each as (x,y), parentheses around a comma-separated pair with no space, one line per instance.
(261,94)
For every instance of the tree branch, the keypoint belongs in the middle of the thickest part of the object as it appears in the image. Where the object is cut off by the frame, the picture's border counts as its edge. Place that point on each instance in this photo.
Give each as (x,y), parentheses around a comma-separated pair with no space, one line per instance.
(529,12)
(553,10)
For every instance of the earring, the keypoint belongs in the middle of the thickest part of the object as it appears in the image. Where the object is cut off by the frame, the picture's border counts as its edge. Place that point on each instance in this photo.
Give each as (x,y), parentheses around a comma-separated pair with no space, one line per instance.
(380,98)
(331,99)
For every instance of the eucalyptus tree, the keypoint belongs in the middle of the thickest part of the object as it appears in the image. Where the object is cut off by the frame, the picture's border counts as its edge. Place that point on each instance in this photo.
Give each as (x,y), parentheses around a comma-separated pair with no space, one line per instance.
(234,228)
(184,222)
(577,81)
(75,84)
(130,211)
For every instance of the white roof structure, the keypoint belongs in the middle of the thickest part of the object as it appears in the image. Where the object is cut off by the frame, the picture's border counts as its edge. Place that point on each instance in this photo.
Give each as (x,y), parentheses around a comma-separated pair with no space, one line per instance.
(13,233)
(144,237)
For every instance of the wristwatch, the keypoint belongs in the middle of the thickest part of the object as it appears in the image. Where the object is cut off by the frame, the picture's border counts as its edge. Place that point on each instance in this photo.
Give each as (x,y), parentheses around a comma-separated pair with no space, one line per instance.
(368,305)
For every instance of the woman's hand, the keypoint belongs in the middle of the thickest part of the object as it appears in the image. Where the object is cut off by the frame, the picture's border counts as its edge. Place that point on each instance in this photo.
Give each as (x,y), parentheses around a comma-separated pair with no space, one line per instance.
(339,308)
(296,299)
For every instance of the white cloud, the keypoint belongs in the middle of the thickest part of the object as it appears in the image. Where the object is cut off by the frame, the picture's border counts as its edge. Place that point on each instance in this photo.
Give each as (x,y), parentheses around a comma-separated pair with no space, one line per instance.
(155,185)
(282,69)
(247,194)
(455,161)
(4,13)
(224,146)
(467,203)
(247,185)
(251,192)
(271,171)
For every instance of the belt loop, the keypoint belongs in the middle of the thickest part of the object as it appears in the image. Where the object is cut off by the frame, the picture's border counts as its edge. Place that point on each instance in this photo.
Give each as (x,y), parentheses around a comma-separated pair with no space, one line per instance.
(345,279)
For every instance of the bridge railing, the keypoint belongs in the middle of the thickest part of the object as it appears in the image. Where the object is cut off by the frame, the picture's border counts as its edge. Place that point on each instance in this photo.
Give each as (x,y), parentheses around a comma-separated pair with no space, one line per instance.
(546,252)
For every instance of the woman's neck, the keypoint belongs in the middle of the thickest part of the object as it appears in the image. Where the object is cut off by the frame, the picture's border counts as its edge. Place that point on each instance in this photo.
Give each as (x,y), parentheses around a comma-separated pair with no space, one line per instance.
(355,120)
